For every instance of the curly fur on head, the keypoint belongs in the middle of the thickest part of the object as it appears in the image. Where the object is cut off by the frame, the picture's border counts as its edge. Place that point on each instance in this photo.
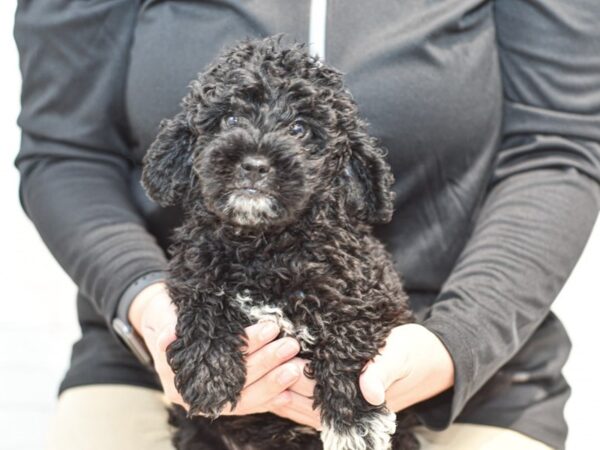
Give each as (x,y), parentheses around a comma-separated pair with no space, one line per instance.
(261,106)
(280,183)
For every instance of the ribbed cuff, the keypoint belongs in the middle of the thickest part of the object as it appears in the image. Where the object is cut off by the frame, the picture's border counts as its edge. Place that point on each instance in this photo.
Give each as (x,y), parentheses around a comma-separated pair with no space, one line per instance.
(121,325)
(124,271)
(440,411)
(134,289)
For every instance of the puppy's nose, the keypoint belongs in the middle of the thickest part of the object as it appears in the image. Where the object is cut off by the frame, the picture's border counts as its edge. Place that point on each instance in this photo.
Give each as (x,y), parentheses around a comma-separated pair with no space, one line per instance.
(255,166)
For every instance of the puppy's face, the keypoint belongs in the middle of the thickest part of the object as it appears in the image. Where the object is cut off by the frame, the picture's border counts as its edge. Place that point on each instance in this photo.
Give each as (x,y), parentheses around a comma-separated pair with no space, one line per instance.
(264,160)
(264,134)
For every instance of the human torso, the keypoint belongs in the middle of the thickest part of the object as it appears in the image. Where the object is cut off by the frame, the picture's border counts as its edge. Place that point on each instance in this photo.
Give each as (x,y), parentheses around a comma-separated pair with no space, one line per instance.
(424,73)
(426,76)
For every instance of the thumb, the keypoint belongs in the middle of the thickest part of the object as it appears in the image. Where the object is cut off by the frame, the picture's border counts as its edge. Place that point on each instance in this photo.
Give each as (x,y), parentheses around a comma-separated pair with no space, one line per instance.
(389,366)
(372,385)
(166,336)
(158,322)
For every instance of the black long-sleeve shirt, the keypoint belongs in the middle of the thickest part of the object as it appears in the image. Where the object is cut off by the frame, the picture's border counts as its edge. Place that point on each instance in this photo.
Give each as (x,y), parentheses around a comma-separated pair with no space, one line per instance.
(490,111)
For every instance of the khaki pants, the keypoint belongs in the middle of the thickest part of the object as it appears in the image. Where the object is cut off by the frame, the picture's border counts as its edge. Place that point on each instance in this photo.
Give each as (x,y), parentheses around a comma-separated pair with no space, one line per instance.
(117,417)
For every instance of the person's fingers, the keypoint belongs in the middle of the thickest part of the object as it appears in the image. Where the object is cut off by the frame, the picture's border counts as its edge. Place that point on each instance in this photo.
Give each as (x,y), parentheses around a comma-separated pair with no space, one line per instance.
(297,408)
(302,405)
(270,356)
(304,386)
(260,334)
(260,393)
(299,418)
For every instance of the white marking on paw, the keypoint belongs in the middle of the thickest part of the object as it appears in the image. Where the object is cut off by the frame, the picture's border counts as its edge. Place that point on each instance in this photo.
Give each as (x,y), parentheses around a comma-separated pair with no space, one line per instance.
(275,314)
(375,431)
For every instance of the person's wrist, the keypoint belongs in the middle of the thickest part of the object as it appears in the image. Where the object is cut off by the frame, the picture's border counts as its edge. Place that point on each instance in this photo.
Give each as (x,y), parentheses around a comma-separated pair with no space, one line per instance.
(440,362)
(432,370)
(140,304)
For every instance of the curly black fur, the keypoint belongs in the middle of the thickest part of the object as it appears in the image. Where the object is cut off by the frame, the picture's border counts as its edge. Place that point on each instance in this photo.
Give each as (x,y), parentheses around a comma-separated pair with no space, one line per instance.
(280,184)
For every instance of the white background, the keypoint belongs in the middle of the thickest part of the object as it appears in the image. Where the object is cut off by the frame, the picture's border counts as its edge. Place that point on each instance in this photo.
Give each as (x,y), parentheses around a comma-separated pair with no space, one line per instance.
(37,306)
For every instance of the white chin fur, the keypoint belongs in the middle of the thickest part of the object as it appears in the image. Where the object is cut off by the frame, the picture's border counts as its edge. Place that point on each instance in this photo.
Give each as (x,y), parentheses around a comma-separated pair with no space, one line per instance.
(250,210)
(373,433)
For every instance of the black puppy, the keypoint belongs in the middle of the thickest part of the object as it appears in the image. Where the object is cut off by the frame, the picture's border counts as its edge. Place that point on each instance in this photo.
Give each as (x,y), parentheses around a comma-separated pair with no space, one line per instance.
(280,184)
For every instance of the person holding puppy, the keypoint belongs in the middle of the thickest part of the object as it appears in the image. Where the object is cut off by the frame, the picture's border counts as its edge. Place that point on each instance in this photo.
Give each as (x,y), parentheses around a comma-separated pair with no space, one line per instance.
(489,111)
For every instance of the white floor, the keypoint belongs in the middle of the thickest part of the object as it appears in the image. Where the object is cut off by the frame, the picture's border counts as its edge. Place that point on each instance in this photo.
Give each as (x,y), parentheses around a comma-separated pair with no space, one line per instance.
(37,314)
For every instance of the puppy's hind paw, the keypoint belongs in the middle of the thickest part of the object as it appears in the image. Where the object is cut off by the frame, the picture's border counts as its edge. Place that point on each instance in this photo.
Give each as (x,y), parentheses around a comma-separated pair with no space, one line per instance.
(371,432)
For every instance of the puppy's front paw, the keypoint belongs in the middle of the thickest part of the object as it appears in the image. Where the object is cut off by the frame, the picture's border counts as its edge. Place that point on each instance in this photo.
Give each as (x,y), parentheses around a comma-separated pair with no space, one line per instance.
(373,431)
(209,375)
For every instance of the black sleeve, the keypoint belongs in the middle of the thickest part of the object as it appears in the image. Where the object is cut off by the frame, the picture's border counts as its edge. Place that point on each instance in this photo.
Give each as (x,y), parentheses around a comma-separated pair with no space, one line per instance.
(543,197)
(74,156)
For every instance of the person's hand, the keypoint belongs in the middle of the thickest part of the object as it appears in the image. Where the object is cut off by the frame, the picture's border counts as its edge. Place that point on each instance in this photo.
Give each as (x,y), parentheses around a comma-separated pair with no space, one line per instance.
(413,366)
(269,369)
(296,403)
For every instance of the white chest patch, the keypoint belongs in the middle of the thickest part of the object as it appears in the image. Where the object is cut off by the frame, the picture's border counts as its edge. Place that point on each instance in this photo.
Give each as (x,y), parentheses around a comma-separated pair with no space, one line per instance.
(275,314)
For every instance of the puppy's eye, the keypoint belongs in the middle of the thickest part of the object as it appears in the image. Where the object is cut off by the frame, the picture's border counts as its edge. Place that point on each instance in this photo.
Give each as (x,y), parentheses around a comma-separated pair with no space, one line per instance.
(232,121)
(297,129)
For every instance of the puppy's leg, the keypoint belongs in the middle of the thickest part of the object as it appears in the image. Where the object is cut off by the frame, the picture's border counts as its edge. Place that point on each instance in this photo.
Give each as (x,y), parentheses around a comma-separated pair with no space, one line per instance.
(207,357)
(367,430)
(349,422)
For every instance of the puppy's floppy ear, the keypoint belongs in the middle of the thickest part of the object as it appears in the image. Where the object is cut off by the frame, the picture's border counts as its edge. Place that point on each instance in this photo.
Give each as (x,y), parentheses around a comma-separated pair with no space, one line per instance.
(167,174)
(369,195)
